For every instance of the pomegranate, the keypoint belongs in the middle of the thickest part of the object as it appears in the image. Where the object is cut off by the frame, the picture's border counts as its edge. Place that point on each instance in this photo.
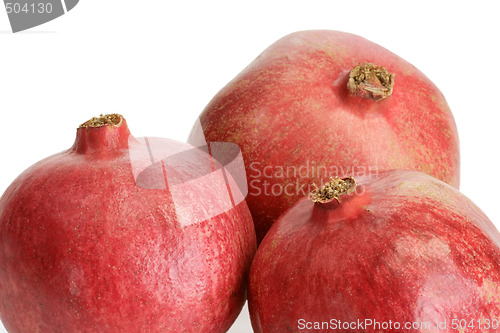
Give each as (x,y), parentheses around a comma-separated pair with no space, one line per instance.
(402,252)
(318,104)
(119,234)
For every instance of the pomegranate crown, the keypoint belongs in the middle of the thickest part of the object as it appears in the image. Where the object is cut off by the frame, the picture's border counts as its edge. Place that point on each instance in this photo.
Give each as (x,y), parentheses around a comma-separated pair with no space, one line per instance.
(333,190)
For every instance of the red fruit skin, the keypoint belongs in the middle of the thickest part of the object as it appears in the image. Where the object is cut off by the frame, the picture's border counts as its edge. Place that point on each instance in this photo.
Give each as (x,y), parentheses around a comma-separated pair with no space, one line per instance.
(406,248)
(83,248)
(291,108)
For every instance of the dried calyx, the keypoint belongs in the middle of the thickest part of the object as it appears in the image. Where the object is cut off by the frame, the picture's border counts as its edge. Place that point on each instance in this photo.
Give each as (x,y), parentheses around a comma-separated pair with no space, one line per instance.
(333,190)
(370,81)
(103,120)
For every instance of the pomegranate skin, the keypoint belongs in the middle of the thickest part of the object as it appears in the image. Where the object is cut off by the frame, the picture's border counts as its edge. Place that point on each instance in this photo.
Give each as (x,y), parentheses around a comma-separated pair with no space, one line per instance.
(404,248)
(84,248)
(291,108)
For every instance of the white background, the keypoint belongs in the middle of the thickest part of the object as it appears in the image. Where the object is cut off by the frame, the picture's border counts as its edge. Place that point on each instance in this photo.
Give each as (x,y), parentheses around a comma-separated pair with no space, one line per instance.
(159,63)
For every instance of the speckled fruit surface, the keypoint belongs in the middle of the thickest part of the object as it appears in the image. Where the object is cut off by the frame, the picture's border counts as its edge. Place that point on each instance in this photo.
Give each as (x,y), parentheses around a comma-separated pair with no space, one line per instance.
(84,248)
(403,248)
(298,120)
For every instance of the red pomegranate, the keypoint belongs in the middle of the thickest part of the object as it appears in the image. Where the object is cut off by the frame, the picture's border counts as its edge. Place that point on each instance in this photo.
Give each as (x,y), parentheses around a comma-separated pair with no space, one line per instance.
(318,104)
(403,252)
(119,234)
